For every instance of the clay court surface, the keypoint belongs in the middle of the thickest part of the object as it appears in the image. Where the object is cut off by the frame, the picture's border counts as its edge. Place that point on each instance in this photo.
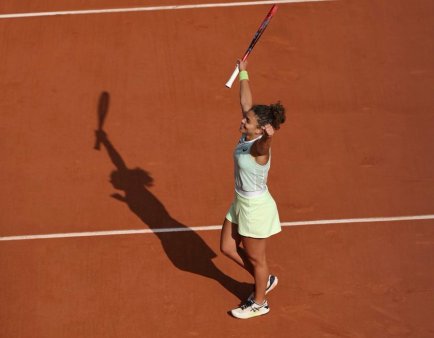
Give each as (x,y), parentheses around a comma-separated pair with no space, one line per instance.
(357,78)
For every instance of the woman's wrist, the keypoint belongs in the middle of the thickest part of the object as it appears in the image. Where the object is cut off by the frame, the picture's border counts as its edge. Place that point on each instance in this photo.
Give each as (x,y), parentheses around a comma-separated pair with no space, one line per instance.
(243,75)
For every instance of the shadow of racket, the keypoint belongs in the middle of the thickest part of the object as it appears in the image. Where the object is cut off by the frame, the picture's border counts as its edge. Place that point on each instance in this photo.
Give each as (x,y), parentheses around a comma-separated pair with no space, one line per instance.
(103,106)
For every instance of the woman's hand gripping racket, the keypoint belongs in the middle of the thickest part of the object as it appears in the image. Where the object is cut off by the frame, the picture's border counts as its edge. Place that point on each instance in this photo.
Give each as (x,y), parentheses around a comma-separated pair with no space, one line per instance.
(255,39)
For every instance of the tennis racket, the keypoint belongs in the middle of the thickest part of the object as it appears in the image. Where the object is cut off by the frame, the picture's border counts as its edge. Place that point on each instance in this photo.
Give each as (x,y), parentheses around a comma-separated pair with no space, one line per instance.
(255,39)
(103,105)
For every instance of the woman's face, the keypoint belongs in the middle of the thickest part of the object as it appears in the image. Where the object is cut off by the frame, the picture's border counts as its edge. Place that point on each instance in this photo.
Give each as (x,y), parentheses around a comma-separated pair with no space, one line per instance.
(249,124)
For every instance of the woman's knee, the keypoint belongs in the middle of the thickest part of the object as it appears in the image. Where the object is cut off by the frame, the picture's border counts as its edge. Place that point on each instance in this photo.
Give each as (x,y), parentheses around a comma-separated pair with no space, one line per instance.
(257,260)
(228,248)
(229,241)
(255,249)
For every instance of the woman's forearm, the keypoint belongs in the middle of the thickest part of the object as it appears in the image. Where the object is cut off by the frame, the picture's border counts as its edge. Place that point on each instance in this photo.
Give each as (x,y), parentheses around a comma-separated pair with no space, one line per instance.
(246,100)
(245,96)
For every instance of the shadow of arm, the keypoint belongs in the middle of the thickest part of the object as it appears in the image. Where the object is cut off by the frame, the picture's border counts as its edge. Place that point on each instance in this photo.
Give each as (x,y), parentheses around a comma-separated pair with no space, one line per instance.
(114,155)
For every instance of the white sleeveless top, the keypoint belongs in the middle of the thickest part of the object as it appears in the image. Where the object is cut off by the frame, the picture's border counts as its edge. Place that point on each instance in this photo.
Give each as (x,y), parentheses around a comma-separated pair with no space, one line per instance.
(250,176)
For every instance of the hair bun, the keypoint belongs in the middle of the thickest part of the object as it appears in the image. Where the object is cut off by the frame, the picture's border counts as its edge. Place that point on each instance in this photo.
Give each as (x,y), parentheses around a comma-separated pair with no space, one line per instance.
(278,112)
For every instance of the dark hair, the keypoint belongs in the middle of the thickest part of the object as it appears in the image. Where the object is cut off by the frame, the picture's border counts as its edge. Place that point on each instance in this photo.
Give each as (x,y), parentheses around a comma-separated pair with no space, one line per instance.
(273,114)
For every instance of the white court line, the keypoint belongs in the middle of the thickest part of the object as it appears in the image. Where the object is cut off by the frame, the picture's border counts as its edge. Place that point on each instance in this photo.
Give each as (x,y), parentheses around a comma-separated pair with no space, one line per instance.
(212,227)
(151,8)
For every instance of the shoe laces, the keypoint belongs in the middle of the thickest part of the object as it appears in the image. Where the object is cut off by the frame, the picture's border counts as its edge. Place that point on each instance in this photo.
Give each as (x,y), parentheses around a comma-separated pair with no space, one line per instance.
(251,304)
(247,304)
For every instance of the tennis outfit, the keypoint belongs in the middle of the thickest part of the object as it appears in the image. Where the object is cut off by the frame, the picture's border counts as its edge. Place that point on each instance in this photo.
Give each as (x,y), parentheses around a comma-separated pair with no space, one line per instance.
(253,208)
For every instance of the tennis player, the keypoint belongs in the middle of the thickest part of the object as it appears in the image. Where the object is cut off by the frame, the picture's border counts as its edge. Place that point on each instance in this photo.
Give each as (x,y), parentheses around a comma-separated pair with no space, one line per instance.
(253,215)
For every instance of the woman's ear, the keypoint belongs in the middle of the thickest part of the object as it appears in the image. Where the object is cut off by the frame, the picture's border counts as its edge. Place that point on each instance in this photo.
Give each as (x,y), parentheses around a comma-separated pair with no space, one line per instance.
(259,130)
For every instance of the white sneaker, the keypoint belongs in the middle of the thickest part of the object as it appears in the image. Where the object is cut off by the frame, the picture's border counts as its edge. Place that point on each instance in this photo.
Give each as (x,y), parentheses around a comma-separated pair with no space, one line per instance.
(271,284)
(250,309)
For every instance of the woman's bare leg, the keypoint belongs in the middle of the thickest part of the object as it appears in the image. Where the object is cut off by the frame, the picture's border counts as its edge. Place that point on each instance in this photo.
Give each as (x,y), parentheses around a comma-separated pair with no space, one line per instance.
(230,242)
(255,249)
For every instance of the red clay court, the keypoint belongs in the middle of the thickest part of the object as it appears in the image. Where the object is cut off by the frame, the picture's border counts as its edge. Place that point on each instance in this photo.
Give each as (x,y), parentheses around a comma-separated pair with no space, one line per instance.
(352,170)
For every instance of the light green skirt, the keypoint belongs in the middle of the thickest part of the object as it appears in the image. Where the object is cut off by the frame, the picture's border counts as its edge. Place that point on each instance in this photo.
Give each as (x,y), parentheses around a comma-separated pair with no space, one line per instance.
(256,217)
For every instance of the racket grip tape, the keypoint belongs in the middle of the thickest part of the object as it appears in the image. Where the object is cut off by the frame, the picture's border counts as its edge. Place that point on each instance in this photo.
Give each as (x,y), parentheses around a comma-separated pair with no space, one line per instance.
(233,77)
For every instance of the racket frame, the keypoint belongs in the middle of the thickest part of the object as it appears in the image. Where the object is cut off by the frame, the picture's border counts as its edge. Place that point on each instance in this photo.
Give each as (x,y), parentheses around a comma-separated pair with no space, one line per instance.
(255,39)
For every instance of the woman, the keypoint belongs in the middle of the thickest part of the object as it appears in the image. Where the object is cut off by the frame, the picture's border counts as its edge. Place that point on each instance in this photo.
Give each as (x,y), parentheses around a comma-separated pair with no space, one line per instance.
(253,215)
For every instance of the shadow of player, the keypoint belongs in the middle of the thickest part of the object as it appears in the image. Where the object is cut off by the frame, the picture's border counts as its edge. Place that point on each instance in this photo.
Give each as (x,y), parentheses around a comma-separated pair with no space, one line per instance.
(186,249)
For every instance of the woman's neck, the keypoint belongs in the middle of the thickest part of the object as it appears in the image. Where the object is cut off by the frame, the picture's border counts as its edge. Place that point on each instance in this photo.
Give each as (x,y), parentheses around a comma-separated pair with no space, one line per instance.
(253,137)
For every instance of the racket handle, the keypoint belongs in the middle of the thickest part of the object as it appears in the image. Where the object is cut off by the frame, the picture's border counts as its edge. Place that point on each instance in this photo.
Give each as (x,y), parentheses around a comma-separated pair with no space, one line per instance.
(233,77)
